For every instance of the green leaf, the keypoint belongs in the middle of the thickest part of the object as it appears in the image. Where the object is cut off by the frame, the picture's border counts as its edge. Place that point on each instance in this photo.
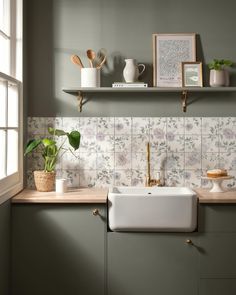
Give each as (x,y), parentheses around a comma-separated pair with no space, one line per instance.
(31,145)
(46,142)
(56,132)
(74,139)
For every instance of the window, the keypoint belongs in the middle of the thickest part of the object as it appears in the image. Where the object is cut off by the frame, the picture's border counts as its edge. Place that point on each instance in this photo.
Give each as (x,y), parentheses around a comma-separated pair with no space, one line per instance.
(11,123)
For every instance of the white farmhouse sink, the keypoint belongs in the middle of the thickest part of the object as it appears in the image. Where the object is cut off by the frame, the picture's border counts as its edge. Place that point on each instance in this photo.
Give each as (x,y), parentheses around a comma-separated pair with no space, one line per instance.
(154,209)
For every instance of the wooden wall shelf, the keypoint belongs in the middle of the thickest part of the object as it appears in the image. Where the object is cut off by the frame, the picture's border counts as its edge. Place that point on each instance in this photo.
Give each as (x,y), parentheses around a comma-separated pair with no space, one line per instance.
(80,92)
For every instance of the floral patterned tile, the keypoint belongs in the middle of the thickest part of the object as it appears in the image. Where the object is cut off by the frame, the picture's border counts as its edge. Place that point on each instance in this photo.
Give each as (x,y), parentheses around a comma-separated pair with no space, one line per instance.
(140,125)
(105,161)
(227,125)
(193,125)
(122,126)
(210,143)
(36,125)
(30,180)
(122,177)
(175,178)
(88,125)
(175,125)
(123,143)
(138,177)
(139,161)
(105,143)
(105,178)
(193,161)
(175,143)
(139,143)
(157,145)
(227,161)
(158,161)
(227,143)
(88,143)
(70,161)
(54,122)
(88,161)
(193,178)
(123,160)
(193,143)
(105,125)
(71,123)
(88,178)
(35,161)
(175,161)
(72,176)
(158,127)
(210,161)
(210,125)
(231,183)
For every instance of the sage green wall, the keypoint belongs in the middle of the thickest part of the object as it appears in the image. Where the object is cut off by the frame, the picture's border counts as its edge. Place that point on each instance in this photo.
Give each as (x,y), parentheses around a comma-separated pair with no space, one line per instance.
(5,248)
(55,29)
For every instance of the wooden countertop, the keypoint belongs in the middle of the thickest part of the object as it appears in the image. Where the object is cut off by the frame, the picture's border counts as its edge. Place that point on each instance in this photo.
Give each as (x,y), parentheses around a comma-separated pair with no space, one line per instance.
(80,195)
(99,195)
(205,196)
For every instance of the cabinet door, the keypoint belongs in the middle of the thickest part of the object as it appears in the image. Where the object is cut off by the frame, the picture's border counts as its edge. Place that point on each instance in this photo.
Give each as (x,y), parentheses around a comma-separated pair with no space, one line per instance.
(217,258)
(217,287)
(58,249)
(143,263)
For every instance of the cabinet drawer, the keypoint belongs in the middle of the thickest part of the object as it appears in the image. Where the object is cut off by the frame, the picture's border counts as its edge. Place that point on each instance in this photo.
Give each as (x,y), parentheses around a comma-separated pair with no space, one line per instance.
(217,218)
(217,287)
(217,258)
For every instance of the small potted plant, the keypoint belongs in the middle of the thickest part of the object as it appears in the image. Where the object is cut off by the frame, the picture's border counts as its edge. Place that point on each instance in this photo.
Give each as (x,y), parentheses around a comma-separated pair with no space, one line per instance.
(51,152)
(219,74)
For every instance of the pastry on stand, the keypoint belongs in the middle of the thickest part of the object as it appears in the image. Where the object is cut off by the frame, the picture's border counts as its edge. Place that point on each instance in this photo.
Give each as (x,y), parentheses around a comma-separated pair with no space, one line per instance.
(217,176)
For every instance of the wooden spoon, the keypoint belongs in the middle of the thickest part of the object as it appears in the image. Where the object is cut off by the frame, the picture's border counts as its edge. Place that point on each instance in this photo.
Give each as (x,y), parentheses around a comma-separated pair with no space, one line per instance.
(76,60)
(91,56)
(102,62)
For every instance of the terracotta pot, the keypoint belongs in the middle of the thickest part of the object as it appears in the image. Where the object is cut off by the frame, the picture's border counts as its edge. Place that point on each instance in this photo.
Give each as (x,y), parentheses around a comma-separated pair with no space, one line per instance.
(44,181)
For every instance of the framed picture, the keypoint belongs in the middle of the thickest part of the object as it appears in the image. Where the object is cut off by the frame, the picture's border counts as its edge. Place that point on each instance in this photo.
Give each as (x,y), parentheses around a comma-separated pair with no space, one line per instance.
(192,74)
(169,51)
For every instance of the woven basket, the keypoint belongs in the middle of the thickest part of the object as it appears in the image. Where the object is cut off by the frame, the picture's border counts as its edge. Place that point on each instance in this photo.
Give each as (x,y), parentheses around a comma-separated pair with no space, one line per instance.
(44,181)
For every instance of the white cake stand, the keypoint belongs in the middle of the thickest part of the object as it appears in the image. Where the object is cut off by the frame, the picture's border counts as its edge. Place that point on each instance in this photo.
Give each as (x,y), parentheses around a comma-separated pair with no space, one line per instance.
(216,183)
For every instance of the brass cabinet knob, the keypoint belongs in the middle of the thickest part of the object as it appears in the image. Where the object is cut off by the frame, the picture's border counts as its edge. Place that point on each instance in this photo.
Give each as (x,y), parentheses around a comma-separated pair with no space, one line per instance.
(95,212)
(189,242)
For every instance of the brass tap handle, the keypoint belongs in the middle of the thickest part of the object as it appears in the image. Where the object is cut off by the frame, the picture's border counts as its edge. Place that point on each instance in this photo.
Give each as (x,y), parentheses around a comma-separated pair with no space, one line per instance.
(95,212)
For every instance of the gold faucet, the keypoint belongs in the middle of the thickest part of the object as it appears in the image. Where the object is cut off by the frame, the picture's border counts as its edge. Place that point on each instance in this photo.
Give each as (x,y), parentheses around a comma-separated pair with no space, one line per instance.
(149,180)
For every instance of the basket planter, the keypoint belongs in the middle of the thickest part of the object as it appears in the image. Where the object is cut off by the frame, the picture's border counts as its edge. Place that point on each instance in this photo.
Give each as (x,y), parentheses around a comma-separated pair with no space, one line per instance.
(44,181)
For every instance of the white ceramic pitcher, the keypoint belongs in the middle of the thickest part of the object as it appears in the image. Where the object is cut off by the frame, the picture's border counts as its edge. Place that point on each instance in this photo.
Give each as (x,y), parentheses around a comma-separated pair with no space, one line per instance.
(131,70)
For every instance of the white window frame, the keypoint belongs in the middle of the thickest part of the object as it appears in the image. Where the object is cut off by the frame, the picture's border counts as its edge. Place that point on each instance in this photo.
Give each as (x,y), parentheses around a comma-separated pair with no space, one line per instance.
(12,184)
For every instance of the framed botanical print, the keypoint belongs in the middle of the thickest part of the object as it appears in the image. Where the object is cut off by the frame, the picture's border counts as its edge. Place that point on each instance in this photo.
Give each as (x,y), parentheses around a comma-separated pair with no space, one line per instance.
(192,74)
(169,51)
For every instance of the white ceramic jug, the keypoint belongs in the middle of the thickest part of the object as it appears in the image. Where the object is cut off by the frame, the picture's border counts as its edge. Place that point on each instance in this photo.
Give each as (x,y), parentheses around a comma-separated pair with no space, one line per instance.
(131,70)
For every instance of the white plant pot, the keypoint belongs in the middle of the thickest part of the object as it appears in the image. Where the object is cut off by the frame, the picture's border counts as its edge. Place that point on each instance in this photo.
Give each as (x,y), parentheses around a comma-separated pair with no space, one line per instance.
(219,78)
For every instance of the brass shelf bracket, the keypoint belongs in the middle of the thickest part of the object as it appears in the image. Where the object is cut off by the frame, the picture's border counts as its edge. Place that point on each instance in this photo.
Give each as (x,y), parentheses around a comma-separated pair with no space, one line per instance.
(184,98)
(80,101)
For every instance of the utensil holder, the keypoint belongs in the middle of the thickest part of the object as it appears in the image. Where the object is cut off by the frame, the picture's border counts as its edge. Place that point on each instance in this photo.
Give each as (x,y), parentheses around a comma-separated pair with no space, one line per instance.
(90,77)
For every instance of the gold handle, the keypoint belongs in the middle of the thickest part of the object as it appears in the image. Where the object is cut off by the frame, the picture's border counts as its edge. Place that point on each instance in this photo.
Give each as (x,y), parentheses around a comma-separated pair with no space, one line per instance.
(189,242)
(95,212)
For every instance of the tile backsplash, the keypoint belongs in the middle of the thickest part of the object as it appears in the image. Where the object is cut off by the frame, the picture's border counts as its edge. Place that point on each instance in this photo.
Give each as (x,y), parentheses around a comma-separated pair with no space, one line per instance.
(113,149)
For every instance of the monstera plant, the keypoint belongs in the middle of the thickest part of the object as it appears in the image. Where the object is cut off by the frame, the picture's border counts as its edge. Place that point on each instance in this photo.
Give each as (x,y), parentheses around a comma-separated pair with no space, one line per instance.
(51,152)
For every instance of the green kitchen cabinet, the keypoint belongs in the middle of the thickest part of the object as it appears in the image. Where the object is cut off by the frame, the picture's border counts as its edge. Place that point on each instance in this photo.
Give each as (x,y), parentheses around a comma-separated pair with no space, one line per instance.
(217,241)
(152,263)
(58,249)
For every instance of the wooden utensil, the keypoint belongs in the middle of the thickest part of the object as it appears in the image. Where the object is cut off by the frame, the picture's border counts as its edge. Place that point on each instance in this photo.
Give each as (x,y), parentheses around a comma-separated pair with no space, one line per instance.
(91,56)
(102,62)
(100,55)
(76,60)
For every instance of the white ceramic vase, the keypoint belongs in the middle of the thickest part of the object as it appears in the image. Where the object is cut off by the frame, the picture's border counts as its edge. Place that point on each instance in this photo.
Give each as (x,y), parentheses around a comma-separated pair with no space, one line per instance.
(219,78)
(131,70)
